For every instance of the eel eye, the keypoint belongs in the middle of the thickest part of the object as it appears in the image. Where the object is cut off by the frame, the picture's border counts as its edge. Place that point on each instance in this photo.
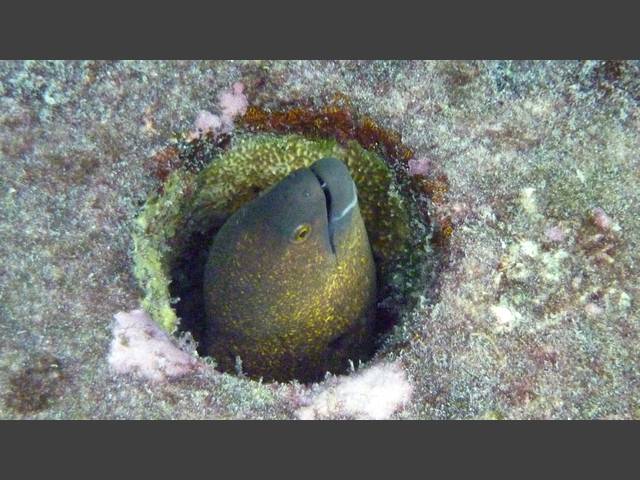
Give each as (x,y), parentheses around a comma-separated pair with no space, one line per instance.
(301,233)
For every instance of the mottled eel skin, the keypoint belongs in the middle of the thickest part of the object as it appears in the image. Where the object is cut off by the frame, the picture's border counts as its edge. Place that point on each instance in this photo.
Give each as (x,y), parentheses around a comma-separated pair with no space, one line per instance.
(290,282)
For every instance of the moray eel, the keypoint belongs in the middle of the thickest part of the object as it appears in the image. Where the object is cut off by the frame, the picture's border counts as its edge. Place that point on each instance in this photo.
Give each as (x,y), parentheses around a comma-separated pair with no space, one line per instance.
(290,281)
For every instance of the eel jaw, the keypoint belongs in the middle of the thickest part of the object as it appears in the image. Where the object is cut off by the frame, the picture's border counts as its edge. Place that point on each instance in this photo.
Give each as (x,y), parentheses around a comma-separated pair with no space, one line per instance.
(327,198)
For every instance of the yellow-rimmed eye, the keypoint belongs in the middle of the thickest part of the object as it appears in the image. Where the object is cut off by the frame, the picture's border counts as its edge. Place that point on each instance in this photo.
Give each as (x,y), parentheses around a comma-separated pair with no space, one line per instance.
(301,233)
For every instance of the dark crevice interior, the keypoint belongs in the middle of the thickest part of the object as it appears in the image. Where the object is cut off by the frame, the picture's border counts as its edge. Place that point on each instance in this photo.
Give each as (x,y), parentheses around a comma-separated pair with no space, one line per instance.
(187,277)
(187,274)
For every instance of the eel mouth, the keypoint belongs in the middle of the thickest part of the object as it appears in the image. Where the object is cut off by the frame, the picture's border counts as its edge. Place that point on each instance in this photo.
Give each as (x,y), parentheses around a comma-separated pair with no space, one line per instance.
(340,194)
(327,198)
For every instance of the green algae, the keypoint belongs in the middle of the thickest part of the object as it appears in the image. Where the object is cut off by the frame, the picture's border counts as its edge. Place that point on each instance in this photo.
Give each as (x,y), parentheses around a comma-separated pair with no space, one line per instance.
(197,203)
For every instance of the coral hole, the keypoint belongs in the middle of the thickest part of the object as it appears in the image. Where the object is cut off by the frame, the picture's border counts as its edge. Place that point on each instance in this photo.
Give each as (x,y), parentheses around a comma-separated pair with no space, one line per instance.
(177,225)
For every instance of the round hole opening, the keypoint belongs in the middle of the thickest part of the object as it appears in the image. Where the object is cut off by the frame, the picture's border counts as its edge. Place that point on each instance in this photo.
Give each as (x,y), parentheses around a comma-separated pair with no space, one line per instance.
(175,229)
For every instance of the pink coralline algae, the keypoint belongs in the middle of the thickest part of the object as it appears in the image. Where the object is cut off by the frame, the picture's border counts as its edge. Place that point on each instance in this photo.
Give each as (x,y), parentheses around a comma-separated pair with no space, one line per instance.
(419,166)
(601,219)
(140,347)
(231,103)
(207,122)
(555,234)
(374,393)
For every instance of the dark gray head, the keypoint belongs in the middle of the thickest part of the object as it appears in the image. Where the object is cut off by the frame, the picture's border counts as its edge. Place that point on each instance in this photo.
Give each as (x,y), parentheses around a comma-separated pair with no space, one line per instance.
(340,195)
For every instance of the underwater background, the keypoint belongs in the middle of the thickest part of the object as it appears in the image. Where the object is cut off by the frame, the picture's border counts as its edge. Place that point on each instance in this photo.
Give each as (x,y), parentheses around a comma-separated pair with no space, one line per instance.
(528,171)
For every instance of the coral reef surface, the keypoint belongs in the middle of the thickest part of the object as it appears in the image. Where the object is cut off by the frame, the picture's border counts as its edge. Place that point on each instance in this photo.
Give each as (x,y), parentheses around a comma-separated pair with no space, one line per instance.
(530,171)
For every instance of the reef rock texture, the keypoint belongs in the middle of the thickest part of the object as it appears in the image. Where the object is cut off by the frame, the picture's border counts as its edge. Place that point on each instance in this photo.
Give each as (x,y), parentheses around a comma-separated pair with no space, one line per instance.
(534,313)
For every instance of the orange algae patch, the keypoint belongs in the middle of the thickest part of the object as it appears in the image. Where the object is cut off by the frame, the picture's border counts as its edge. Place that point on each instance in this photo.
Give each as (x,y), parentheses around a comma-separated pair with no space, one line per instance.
(442,235)
(335,120)
(435,188)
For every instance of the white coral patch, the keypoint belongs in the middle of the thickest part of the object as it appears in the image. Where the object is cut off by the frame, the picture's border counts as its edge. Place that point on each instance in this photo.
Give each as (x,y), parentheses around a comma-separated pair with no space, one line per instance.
(374,393)
(529,248)
(528,200)
(505,318)
(139,346)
